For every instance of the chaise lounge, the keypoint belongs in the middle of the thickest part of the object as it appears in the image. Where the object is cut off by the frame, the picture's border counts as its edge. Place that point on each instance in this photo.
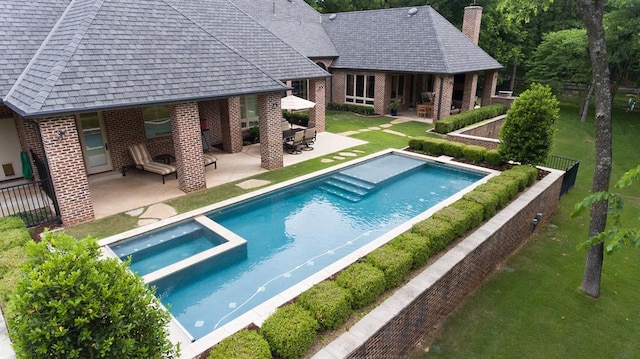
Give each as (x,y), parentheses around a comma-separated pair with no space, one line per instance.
(144,161)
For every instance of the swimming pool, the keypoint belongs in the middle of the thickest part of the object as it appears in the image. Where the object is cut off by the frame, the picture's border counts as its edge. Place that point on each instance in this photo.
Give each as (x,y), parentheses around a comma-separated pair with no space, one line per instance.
(299,230)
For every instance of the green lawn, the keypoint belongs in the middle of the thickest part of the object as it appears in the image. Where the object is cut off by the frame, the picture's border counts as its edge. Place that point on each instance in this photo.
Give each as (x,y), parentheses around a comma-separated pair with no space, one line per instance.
(336,122)
(533,307)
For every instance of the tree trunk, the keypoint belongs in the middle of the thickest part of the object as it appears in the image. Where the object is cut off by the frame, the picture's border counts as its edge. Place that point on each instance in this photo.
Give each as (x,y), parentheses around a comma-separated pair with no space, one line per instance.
(585,105)
(591,12)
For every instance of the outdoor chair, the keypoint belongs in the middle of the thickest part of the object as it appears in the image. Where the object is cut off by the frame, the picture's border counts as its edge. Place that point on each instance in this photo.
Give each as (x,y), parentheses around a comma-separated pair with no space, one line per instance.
(145,162)
(309,139)
(210,159)
(294,146)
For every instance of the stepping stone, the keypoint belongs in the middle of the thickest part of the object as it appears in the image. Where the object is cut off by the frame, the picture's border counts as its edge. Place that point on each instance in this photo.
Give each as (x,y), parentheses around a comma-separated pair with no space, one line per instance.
(358,151)
(135,212)
(252,183)
(348,133)
(386,125)
(326,160)
(374,128)
(348,154)
(159,211)
(338,157)
(395,133)
(144,222)
(365,130)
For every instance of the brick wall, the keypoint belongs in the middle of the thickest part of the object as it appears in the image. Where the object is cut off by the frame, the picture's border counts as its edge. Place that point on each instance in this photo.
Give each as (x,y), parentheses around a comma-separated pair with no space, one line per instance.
(469,94)
(29,140)
(442,101)
(210,113)
(382,93)
(490,83)
(122,129)
(471,22)
(338,89)
(394,327)
(5,112)
(230,127)
(505,100)
(68,173)
(187,139)
(270,117)
(317,92)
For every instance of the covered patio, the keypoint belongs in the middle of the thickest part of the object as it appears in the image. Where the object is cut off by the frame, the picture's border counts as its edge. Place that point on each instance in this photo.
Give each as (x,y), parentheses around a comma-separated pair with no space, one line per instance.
(111,193)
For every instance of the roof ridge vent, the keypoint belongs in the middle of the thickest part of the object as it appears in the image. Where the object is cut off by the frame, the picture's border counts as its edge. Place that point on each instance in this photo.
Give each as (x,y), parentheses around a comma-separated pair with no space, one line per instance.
(412,11)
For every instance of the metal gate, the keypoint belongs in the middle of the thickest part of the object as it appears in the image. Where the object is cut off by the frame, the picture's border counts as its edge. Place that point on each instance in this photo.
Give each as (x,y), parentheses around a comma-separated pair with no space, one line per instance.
(35,202)
(570,166)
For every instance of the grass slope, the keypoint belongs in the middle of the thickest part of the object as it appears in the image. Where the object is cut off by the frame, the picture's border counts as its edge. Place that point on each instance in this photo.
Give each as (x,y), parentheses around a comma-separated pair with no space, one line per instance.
(533,308)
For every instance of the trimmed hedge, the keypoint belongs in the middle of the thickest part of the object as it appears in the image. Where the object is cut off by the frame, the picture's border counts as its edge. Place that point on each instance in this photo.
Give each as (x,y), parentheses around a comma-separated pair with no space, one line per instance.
(439,231)
(474,212)
(463,119)
(417,245)
(497,189)
(473,153)
(453,149)
(364,281)
(328,303)
(494,158)
(245,344)
(394,263)
(488,200)
(297,118)
(290,331)
(438,146)
(363,110)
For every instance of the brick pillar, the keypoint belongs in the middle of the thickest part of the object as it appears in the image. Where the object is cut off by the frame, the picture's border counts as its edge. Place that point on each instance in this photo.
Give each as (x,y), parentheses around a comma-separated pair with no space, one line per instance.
(68,173)
(270,116)
(443,88)
(210,112)
(317,91)
(471,22)
(187,143)
(470,88)
(230,125)
(489,89)
(382,93)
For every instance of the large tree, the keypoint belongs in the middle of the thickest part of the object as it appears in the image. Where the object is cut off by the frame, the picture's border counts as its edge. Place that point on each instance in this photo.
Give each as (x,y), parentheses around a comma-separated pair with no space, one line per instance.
(592,13)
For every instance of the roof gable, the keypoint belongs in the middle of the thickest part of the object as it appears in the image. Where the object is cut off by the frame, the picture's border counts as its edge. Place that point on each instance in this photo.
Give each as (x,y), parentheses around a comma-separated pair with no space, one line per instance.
(394,40)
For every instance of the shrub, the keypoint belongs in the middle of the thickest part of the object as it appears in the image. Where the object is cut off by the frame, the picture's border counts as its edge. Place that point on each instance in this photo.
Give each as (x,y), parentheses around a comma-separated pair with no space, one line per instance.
(296,118)
(474,153)
(490,202)
(394,263)
(509,184)
(439,231)
(418,245)
(432,146)
(364,281)
(527,133)
(456,218)
(494,158)
(245,344)
(328,303)
(529,174)
(463,119)
(290,331)
(453,149)
(497,190)
(473,210)
(364,110)
(87,307)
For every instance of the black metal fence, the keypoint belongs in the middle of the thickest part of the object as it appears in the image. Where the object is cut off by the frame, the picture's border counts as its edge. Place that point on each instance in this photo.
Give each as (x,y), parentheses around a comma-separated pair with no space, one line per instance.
(570,166)
(29,201)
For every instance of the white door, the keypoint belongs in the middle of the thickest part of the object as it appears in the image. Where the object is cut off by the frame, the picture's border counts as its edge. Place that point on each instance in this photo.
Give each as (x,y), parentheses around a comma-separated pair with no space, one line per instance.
(10,164)
(94,145)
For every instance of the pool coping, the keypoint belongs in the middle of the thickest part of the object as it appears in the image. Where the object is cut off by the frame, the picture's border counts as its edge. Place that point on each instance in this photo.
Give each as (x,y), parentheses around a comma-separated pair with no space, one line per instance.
(191,348)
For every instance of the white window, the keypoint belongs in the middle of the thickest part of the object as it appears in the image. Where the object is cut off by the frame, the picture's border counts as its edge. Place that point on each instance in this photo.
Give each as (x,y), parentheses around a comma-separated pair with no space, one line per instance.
(360,89)
(156,121)
(397,86)
(249,111)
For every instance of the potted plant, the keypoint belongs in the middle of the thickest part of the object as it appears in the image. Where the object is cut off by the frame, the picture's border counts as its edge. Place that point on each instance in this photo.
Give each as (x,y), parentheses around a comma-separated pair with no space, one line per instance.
(393,107)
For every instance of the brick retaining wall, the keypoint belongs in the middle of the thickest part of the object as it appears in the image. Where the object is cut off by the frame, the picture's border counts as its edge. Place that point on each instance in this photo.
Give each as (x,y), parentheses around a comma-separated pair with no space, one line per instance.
(394,327)
(485,134)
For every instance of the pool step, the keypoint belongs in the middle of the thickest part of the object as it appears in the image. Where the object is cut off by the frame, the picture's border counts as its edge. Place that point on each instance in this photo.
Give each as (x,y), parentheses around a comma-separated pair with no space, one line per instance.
(347,187)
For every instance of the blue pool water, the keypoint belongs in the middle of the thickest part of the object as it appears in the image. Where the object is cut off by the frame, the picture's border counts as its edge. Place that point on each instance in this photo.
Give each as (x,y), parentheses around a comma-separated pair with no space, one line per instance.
(294,232)
(152,251)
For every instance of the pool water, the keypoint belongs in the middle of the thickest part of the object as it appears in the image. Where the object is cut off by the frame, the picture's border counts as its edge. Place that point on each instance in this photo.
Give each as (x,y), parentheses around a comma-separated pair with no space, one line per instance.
(158,249)
(295,232)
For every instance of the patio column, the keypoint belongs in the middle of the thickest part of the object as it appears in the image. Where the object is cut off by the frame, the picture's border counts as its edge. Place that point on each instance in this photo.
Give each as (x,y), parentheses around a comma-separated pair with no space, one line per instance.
(187,143)
(382,95)
(470,88)
(269,118)
(317,91)
(490,83)
(63,152)
(230,125)
(210,114)
(443,88)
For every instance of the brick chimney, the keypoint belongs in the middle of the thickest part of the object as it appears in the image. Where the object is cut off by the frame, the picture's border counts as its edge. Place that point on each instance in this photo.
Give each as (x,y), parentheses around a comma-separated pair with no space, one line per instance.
(471,22)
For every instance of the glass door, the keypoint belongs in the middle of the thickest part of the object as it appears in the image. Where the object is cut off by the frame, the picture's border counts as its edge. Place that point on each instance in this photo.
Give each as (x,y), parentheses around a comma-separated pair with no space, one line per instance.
(94,146)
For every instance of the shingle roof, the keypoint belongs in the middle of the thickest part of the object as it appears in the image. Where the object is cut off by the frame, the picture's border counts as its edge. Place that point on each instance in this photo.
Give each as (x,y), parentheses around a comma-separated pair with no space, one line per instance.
(386,40)
(295,22)
(114,53)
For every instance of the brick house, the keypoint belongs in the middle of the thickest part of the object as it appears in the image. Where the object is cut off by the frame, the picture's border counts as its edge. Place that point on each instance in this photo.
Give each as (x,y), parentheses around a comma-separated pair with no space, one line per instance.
(81,80)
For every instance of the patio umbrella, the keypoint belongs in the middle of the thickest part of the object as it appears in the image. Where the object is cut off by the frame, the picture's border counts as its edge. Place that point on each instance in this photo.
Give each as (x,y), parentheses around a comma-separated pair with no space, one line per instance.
(295,103)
